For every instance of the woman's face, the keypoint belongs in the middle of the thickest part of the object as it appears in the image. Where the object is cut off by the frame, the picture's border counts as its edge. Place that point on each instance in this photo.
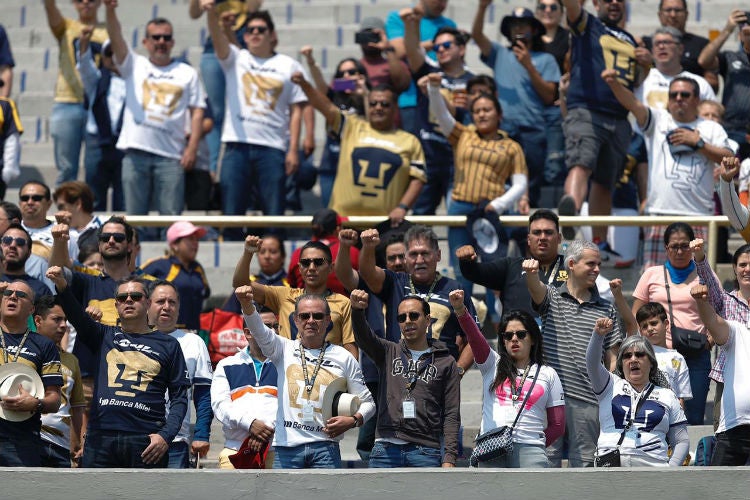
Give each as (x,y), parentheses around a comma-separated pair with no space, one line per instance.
(186,248)
(270,259)
(549,12)
(519,349)
(742,270)
(678,250)
(636,366)
(348,70)
(485,116)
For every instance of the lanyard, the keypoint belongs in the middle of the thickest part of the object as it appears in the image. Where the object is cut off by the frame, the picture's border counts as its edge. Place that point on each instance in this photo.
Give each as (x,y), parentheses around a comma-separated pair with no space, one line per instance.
(309,383)
(635,401)
(515,391)
(414,375)
(551,277)
(429,292)
(20,346)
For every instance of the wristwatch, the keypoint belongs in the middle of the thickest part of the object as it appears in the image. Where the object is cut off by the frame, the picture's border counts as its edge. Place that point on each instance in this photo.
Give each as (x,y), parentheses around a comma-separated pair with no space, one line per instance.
(461,371)
(39,405)
(700,144)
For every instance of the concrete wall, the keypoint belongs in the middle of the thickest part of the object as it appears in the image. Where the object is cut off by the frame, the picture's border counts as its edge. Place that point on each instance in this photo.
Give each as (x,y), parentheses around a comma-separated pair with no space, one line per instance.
(435,484)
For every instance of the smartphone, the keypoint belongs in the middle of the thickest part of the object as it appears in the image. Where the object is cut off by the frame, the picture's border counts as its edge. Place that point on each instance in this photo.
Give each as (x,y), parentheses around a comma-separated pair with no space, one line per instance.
(365,37)
(342,84)
(519,38)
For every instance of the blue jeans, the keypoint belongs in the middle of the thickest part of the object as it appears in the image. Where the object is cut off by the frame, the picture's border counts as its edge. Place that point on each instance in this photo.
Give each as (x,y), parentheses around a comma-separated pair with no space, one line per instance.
(439,182)
(21,451)
(244,166)
(106,449)
(215,83)
(534,144)
(179,455)
(103,165)
(329,163)
(319,455)
(389,455)
(458,236)
(67,124)
(555,170)
(524,456)
(366,436)
(55,456)
(698,368)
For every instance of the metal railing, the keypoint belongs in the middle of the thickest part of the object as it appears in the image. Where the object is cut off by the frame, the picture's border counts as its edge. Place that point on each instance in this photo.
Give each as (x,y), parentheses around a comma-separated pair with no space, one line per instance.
(712,222)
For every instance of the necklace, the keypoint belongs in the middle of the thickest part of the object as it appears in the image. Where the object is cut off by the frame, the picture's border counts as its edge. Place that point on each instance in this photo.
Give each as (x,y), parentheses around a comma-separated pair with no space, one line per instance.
(310,382)
(20,346)
(515,391)
(429,292)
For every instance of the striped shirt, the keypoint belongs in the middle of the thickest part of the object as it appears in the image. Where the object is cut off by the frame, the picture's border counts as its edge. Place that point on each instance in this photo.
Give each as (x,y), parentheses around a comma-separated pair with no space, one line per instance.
(729,305)
(483,166)
(566,328)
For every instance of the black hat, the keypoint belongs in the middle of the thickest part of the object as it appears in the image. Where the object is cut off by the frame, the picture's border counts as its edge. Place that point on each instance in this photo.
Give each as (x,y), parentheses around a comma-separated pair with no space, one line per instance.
(521,13)
(325,221)
(487,234)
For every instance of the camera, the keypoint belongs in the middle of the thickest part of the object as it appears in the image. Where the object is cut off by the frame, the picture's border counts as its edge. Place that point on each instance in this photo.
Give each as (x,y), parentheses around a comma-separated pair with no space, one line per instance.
(366,37)
(342,84)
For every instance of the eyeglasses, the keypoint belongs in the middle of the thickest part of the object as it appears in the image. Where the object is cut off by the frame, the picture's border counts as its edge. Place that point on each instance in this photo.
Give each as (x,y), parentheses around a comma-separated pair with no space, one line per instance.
(272,326)
(442,46)
(119,237)
(545,232)
(35,197)
(521,334)
(551,7)
(610,1)
(674,10)
(257,29)
(676,248)
(383,104)
(684,94)
(156,38)
(134,296)
(306,316)
(413,316)
(664,43)
(637,354)
(395,257)
(318,261)
(85,1)
(9,240)
(349,72)
(18,293)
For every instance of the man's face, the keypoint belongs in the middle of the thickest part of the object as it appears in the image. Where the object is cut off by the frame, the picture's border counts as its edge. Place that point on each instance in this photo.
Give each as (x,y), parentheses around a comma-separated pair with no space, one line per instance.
(666,50)
(86,8)
(312,322)
(395,257)
(447,50)
(165,307)
(673,13)
(382,109)
(611,12)
(314,267)
(53,326)
(16,307)
(543,241)
(258,37)
(683,101)
(434,8)
(586,270)
(159,42)
(521,27)
(109,246)
(131,302)
(414,326)
(269,319)
(16,248)
(422,261)
(655,330)
(34,203)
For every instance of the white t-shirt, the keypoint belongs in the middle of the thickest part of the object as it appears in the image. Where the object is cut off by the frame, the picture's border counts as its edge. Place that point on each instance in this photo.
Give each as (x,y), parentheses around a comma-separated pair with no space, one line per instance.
(735,403)
(680,184)
(675,368)
(259,95)
(498,409)
(652,423)
(199,369)
(654,91)
(157,99)
(291,428)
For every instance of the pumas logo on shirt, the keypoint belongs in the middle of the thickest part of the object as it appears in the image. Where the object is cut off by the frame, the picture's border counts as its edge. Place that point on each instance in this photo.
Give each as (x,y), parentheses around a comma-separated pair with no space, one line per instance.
(133,346)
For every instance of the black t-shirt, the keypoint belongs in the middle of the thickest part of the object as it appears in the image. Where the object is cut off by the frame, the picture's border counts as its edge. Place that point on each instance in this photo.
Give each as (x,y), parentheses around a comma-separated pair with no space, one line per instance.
(559,47)
(692,47)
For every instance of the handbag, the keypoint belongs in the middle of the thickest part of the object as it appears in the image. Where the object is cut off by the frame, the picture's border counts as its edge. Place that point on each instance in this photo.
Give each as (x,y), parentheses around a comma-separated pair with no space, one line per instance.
(689,343)
(612,457)
(499,441)
(226,334)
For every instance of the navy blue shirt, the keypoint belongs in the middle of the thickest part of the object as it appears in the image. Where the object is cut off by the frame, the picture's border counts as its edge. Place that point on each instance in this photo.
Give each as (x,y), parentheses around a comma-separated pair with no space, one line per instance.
(38,286)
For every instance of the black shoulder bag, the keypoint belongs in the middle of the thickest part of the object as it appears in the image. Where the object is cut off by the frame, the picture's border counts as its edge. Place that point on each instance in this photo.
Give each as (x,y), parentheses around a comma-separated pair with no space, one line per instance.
(612,458)
(689,343)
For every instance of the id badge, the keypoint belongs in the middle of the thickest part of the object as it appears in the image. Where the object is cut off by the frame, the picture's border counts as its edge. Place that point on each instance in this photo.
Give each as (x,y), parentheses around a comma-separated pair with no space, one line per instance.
(410,408)
(308,414)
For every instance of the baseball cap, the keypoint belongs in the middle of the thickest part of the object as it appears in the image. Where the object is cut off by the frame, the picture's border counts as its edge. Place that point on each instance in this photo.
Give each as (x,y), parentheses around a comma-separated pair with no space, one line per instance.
(372,23)
(183,228)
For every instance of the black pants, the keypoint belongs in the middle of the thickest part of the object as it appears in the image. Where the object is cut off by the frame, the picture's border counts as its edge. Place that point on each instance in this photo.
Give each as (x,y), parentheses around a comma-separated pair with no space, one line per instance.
(732,446)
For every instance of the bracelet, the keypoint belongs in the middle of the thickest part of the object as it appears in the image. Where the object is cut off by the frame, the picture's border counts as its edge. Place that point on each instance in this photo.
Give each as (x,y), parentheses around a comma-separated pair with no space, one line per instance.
(404,206)
(39,405)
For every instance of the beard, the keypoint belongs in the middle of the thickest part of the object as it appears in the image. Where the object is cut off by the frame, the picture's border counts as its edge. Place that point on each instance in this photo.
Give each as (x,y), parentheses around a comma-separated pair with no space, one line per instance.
(115,256)
(15,266)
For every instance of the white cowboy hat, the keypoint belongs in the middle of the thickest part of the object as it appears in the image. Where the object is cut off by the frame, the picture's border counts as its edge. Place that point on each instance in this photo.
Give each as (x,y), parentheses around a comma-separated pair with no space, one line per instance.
(13,375)
(337,402)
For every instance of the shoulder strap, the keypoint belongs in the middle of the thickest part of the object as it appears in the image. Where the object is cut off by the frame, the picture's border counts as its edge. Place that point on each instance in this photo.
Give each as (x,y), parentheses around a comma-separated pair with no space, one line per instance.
(669,299)
(526,398)
(633,414)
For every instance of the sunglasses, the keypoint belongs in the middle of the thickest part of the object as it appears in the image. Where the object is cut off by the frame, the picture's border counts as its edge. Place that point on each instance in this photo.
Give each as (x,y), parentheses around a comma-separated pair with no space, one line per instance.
(18,293)
(156,38)
(349,72)
(545,232)
(257,29)
(611,1)
(35,197)
(552,7)
(637,354)
(684,94)
(9,240)
(521,334)
(442,46)
(395,257)
(676,248)
(318,261)
(413,316)
(306,316)
(272,326)
(134,296)
(105,237)
(383,104)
